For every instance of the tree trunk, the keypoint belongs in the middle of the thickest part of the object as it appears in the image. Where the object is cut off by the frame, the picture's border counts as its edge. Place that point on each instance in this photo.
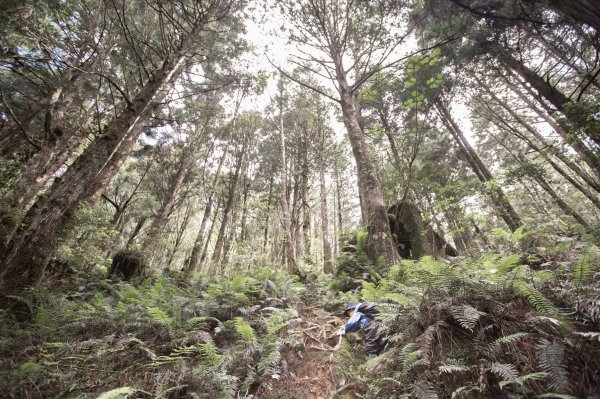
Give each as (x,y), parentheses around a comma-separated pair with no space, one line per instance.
(305,202)
(135,232)
(28,252)
(574,112)
(209,235)
(199,242)
(381,247)
(289,260)
(499,199)
(555,197)
(216,256)
(266,231)
(327,257)
(168,203)
(556,151)
(575,142)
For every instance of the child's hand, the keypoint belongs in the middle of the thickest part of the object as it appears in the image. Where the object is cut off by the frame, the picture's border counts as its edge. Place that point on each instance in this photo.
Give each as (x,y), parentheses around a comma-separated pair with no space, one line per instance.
(341,332)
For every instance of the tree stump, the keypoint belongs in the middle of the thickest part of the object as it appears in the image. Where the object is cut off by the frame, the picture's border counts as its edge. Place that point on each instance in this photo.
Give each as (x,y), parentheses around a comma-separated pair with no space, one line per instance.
(127,264)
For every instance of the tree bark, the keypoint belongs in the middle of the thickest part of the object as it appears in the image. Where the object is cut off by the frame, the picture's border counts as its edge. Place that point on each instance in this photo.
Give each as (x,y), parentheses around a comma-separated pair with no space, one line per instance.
(381,247)
(305,201)
(571,110)
(168,203)
(327,257)
(199,242)
(575,142)
(138,226)
(216,256)
(499,199)
(289,259)
(29,250)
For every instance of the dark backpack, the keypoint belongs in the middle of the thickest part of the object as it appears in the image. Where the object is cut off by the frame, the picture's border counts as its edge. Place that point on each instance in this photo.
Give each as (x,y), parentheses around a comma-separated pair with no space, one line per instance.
(368,308)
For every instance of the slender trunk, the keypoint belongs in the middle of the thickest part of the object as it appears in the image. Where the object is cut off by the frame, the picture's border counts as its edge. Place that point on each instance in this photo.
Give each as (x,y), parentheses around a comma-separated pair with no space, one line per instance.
(178,237)
(209,235)
(199,242)
(289,259)
(499,199)
(135,232)
(575,142)
(338,193)
(216,256)
(243,223)
(266,231)
(557,152)
(327,257)
(574,112)
(305,202)
(550,191)
(29,250)
(167,205)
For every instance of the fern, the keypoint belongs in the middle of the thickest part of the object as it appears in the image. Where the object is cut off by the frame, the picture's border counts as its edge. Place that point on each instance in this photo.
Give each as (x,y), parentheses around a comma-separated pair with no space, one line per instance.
(467,316)
(507,339)
(582,269)
(550,359)
(244,330)
(452,368)
(160,316)
(182,352)
(464,390)
(557,396)
(504,370)
(422,390)
(540,375)
(535,298)
(409,354)
(508,263)
(118,393)
(210,354)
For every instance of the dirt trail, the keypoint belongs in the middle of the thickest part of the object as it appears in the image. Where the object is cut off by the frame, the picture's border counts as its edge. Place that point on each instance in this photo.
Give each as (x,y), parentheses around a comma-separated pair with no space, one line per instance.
(312,374)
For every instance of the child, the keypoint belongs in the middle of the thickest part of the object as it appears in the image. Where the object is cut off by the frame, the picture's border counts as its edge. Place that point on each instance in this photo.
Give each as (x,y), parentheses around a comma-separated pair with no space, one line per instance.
(361,318)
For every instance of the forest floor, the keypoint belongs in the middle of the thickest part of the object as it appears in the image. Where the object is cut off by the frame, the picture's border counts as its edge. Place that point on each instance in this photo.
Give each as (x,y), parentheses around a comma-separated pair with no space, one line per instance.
(313,373)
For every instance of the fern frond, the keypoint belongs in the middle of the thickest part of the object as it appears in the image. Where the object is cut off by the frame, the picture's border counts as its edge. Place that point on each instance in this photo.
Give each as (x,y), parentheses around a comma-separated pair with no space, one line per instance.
(118,393)
(507,339)
(467,316)
(508,263)
(557,396)
(540,375)
(550,359)
(244,330)
(464,390)
(452,368)
(426,340)
(535,298)
(505,370)
(582,269)
(422,390)
(160,316)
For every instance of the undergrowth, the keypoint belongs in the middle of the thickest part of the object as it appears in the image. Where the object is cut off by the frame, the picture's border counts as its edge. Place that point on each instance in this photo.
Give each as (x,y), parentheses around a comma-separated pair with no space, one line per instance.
(523,322)
(159,338)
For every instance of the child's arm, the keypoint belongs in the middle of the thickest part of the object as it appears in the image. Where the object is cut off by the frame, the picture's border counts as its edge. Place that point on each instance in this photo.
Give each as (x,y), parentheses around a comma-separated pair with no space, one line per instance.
(353,322)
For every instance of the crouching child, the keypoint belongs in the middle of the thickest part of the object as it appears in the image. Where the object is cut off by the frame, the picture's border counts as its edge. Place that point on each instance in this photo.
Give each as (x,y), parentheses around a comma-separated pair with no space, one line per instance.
(362,318)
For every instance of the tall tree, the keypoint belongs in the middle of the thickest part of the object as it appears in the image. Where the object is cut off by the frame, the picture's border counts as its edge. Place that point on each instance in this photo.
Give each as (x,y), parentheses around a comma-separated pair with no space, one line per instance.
(27,254)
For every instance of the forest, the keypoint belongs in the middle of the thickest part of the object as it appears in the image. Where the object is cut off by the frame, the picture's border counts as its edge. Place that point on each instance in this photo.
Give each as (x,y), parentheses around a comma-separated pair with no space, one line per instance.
(193,191)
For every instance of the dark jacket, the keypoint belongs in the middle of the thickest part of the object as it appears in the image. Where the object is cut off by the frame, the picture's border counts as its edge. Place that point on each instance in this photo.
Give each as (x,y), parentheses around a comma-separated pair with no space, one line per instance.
(375,340)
